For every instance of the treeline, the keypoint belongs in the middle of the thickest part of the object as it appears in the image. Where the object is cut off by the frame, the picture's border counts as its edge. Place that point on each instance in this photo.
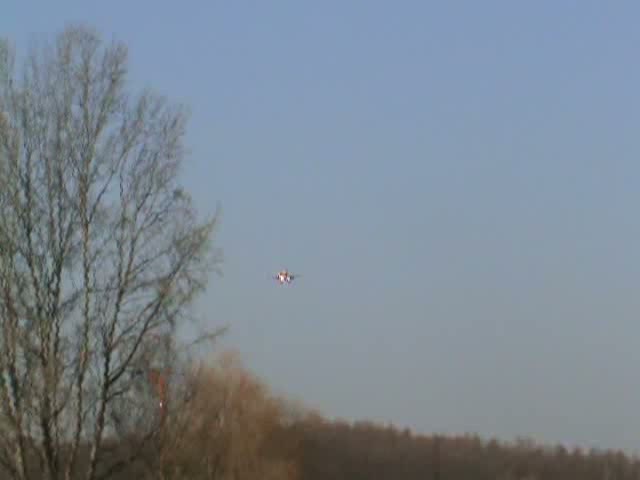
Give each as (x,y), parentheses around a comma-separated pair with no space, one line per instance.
(233,427)
(362,450)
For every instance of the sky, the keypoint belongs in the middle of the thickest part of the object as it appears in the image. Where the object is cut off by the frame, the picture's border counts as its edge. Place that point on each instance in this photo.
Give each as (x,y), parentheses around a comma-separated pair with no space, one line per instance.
(456,182)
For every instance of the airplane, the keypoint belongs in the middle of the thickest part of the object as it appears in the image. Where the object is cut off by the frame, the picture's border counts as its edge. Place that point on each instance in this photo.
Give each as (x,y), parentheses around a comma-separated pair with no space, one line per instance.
(284,277)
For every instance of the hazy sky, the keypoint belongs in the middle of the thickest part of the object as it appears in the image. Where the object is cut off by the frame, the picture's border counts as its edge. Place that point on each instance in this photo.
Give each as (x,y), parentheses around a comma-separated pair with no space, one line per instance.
(458,182)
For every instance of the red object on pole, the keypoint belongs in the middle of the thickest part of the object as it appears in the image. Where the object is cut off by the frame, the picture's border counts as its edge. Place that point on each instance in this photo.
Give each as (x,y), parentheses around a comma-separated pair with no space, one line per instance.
(158,379)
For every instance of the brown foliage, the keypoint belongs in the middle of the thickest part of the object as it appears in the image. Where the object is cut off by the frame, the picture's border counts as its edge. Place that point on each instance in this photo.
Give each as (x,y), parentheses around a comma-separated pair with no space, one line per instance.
(225,429)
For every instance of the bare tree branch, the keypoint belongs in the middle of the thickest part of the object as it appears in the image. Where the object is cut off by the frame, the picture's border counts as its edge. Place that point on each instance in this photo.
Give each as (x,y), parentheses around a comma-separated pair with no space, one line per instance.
(100,250)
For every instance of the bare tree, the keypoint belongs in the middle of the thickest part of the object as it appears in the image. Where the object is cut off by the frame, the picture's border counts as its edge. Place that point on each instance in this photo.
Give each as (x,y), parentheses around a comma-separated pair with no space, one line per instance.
(101,252)
(225,430)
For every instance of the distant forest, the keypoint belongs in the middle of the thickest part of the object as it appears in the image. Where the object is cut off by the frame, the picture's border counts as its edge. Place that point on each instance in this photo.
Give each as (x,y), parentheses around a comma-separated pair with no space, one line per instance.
(234,428)
(339,450)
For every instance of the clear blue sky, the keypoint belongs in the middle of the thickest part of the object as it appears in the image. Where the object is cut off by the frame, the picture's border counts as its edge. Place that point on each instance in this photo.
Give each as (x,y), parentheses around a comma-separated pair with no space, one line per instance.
(457,181)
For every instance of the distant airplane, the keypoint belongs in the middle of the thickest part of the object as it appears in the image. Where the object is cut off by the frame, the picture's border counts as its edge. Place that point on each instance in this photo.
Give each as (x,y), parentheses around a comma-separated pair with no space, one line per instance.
(284,277)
